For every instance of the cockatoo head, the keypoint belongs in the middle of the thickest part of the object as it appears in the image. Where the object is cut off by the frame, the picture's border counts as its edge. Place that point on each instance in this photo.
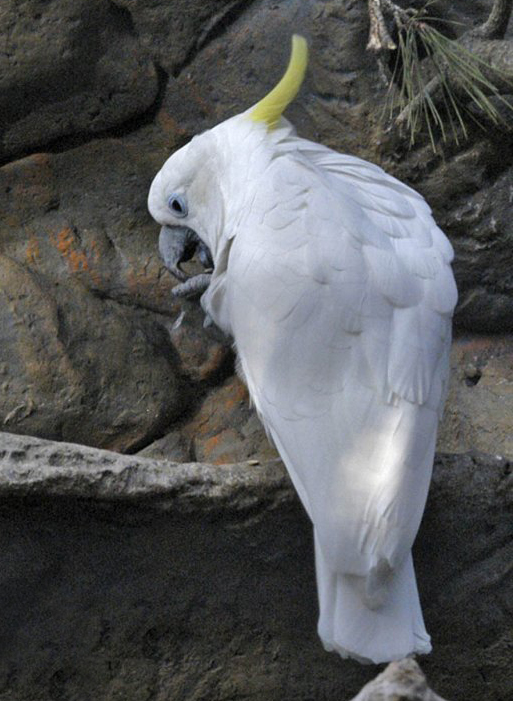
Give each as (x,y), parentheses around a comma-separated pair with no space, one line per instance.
(198,189)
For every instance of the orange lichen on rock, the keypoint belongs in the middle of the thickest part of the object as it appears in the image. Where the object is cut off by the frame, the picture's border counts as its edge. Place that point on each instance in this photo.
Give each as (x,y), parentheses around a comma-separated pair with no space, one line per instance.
(234,398)
(65,243)
(225,447)
(212,443)
(77,259)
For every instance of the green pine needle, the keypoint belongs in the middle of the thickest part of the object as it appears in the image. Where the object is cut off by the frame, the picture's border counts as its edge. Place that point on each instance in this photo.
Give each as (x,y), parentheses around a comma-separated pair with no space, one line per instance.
(448,57)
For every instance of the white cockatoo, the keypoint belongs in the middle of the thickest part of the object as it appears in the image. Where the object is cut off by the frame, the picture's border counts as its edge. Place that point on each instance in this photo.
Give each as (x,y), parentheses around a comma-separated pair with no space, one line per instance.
(335,283)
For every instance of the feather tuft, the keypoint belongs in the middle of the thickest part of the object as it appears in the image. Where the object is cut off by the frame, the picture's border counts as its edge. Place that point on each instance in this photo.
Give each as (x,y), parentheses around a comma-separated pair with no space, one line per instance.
(270,109)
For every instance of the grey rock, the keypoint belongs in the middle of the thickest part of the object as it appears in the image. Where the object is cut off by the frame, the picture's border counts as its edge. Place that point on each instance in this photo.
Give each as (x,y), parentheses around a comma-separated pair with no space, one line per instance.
(90,347)
(174,32)
(72,366)
(124,577)
(39,385)
(82,214)
(471,195)
(68,67)
(173,446)
(479,409)
(32,467)
(401,680)
(223,428)
(204,354)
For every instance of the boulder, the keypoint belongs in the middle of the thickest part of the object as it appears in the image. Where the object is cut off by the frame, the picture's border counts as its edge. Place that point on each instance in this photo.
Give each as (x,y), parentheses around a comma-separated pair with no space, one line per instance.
(76,239)
(68,67)
(173,33)
(401,680)
(130,578)
(82,215)
(224,429)
(64,360)
(91,349)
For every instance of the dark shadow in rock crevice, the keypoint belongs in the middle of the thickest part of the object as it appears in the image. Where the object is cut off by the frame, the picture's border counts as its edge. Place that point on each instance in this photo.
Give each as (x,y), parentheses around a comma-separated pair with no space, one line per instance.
(217,26)
(71,141)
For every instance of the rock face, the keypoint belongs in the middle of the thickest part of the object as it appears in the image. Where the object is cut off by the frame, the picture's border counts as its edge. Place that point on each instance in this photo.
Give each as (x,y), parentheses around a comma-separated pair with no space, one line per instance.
(400,680)
(130,578)
(94,98)
(68,67)
(478,414)
(59,377)
(86,353)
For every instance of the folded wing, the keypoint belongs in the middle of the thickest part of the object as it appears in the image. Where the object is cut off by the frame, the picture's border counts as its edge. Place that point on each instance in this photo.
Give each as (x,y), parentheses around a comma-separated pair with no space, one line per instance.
(339,293)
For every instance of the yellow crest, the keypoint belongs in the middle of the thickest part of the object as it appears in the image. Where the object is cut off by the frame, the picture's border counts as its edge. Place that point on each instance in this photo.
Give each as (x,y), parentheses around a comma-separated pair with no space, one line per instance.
(272,106)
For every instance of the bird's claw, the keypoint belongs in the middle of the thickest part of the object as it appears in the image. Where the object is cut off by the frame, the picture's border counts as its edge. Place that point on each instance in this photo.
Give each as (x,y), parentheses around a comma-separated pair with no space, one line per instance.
(193,286)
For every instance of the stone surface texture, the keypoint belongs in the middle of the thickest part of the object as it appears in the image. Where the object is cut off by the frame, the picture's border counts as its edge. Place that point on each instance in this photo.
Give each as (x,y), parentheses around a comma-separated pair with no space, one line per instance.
(400,680)
(68,67)
(129,576)
(132,578)
(94,98)
(479,409)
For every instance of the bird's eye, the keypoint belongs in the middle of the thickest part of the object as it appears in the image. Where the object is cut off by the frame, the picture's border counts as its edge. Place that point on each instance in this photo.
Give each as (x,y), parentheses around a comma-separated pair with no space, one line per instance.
(178,205)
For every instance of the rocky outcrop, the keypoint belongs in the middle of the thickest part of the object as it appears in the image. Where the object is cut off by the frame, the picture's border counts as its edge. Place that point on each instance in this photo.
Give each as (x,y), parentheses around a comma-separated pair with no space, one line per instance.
(78,253)
(224,429)
(400,680)
(131,577)
(124,577)
(91,350)
(68,67)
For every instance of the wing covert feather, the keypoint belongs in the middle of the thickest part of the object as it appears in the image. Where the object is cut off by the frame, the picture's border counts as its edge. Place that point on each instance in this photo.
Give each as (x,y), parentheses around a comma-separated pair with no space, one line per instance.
(339,294)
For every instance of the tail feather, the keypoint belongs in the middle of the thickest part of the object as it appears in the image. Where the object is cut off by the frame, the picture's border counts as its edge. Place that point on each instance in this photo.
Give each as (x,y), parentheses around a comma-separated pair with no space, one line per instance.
(384,633)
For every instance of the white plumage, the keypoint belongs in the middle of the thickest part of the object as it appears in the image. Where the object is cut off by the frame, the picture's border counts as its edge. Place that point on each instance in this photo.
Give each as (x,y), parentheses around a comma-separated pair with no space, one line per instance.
(335,283)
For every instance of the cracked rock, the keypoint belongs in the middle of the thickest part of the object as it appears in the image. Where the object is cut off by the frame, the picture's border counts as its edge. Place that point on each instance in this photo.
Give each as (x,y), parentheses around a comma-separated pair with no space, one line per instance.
(128,577)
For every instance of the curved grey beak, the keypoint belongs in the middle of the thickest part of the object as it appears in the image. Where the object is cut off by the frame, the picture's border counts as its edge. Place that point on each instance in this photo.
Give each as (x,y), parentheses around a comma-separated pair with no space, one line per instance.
(178,244)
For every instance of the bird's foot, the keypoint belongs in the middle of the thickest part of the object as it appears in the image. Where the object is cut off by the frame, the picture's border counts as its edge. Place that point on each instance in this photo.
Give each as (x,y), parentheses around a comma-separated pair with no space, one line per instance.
(193,286)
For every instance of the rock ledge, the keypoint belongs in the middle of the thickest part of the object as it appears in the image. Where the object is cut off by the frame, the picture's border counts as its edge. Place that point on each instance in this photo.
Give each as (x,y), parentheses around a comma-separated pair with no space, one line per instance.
(32,467)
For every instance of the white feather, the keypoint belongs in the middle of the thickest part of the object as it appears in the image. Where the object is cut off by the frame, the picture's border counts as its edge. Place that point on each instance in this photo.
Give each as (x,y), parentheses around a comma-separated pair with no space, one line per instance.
(336,286)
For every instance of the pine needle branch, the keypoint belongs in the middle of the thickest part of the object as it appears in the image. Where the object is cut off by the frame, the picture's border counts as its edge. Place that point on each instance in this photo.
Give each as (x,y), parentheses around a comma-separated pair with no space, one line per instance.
(461,78)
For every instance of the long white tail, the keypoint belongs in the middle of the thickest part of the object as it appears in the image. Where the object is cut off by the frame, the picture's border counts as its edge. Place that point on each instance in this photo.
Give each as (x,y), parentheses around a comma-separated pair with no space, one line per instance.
(382,634)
